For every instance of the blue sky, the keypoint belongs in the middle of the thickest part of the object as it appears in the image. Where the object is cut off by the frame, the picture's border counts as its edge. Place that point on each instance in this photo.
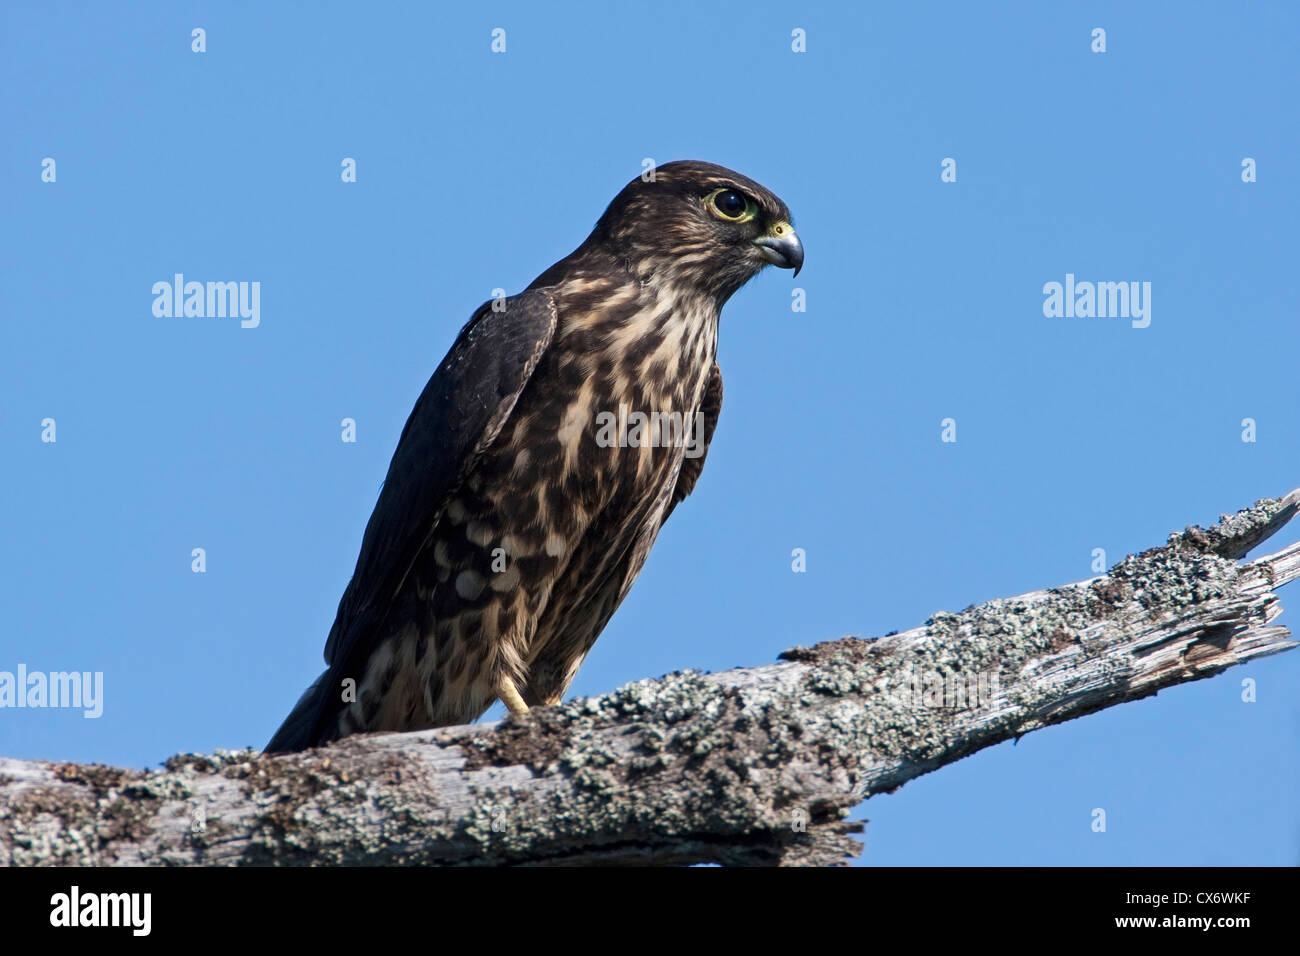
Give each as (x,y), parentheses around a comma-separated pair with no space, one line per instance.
(477,170)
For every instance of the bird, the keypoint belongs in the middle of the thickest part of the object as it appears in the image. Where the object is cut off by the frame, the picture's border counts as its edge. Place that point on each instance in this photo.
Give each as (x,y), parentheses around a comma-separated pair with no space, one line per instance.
(518,509)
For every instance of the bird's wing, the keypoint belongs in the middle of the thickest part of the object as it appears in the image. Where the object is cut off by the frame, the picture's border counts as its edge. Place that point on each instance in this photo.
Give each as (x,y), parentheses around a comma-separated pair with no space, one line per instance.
(458,415)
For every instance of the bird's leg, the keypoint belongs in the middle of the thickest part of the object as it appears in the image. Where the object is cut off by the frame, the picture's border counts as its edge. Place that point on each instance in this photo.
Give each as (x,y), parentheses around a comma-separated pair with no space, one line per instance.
(510,696)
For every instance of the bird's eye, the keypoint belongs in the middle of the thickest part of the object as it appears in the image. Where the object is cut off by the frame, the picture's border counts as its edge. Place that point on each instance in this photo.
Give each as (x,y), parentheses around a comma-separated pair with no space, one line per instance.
(732,205)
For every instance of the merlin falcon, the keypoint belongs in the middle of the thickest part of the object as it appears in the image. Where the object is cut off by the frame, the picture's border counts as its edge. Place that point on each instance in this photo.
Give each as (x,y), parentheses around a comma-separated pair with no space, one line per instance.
(509,527)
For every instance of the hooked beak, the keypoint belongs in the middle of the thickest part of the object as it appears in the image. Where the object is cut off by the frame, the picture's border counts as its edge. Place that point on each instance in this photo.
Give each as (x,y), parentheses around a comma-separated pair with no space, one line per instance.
(781,247)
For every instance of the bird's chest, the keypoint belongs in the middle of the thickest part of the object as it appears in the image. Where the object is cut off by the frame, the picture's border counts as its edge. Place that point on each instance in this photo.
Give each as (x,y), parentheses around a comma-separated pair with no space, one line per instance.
(565,500)
(634,417)
(608,416)
(585,463)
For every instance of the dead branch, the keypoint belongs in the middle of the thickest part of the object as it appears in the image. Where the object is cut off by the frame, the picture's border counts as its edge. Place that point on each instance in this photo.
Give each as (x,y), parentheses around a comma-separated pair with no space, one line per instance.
(752,766)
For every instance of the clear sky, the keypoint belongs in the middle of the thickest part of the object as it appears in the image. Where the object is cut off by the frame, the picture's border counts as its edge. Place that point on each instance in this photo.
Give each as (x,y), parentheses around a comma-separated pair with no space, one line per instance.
(476,170)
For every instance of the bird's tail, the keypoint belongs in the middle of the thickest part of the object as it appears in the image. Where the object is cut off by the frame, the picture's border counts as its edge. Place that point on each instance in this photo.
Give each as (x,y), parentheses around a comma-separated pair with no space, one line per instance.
(302,728)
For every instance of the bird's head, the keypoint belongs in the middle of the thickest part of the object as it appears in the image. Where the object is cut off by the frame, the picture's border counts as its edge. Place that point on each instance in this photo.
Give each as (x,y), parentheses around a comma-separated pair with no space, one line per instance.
(702,224)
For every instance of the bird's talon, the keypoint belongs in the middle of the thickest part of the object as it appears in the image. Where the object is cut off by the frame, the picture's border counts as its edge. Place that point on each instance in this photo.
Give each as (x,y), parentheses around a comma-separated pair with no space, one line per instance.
(510,696)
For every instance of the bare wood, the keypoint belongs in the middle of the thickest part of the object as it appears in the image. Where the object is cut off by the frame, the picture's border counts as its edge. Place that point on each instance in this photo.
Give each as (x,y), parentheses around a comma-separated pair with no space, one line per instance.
(752,766)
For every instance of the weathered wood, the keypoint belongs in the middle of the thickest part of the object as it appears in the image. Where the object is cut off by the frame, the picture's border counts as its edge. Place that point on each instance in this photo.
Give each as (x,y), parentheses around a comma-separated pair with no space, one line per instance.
(752,766)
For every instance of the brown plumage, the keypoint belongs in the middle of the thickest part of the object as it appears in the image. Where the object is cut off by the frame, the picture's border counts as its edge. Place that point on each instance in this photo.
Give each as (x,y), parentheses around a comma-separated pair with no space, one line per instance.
(510,527)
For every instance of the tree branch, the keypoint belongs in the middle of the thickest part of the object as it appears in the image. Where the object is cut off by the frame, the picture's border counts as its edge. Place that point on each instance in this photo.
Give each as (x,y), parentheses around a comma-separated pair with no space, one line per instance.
(752,766)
